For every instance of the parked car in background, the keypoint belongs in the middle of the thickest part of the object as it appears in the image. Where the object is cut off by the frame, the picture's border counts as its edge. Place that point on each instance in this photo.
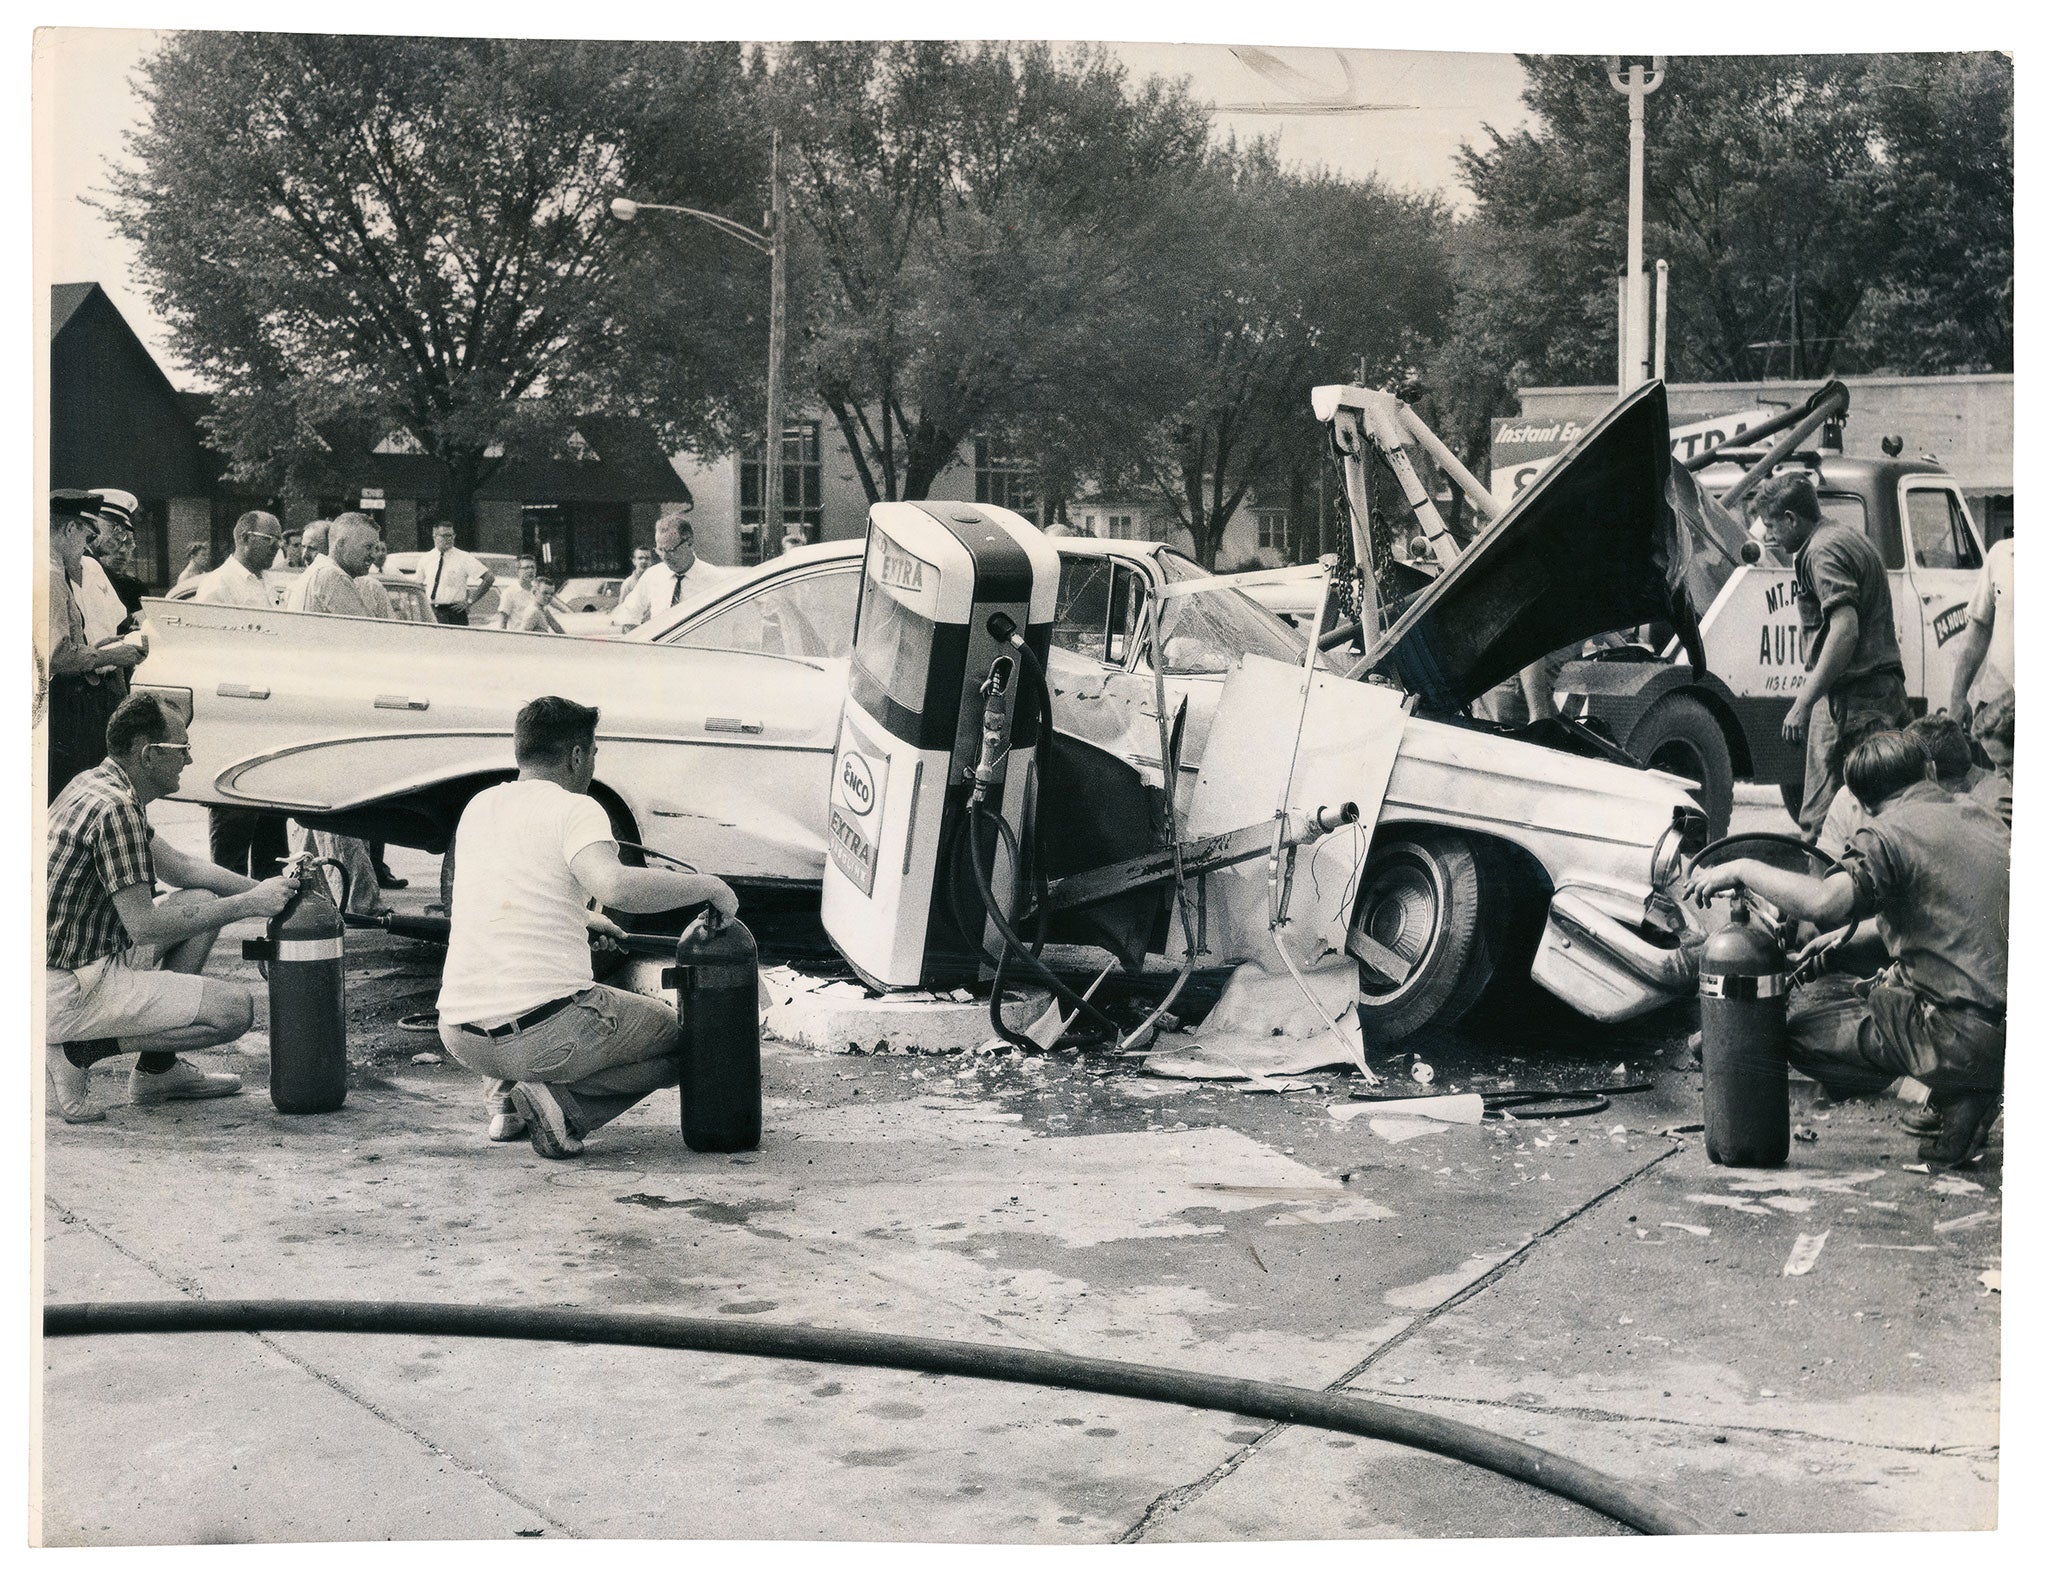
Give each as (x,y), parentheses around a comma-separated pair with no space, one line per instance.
(590,594)
(503,568)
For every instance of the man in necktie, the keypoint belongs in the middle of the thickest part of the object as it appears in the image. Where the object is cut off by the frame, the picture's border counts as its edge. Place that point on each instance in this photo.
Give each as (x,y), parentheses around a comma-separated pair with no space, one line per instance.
(455,578)
(677,577)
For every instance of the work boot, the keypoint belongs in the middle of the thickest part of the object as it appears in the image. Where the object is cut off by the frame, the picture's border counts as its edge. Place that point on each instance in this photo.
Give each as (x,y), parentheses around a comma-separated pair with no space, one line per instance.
(506,1125)
(1921,1121)
(181,1082)
(68,1082)
(547,1120)
(1966,1119)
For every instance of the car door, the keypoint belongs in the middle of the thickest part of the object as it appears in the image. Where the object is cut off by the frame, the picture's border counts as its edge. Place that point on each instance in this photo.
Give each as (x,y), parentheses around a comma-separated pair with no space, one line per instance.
(1944,559)
(765,676)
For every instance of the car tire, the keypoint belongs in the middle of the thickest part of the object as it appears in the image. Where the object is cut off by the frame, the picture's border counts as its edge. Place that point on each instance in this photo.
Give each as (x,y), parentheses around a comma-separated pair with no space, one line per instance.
(1681,736)
(1420,897)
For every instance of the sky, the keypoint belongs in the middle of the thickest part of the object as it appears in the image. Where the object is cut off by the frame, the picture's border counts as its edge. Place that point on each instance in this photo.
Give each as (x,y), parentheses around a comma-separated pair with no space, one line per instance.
(1443,100)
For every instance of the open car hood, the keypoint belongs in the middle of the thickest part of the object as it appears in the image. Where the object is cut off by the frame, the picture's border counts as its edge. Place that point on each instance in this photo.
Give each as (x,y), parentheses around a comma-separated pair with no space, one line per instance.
(1592,546)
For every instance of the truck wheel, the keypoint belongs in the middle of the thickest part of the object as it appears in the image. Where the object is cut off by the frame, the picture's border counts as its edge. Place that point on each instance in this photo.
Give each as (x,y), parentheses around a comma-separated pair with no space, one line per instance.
(1424,957)
(1681,736)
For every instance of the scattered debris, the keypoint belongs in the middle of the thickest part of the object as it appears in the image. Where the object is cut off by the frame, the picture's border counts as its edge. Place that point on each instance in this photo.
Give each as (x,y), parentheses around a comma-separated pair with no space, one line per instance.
(1991,1280)
(1422,1074)
(1767,1393)
(1805,1133)
(1460,1108)
(1692,1129)
(1805,1252)
(1964,1222)
(1732,1203)
(1689,1228)
(427,1058)
(1950,1185)
(1790,1203)
(1402,1127)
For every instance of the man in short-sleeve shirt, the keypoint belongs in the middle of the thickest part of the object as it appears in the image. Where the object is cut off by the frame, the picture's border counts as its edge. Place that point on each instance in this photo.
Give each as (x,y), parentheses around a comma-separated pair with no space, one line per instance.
(1934,870)
(121,968)
(519,1005)
(1855,679)
(1984,663)
(454,578)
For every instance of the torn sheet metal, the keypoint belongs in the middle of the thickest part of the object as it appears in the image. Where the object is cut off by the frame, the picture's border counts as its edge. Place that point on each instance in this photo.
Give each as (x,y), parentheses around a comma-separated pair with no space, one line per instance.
(1349,739)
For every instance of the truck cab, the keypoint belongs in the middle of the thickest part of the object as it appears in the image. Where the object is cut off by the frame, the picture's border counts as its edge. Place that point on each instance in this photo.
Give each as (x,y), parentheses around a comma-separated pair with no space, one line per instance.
(1725,725)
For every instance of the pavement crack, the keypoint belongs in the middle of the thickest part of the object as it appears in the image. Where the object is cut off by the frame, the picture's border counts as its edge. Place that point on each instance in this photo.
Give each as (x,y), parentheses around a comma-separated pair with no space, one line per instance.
(1578,1412)
(192,1288)
(1175,1499)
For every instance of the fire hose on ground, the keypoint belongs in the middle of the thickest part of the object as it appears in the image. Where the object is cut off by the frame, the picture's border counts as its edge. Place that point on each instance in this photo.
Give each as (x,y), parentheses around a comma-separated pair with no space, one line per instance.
(1328,1411)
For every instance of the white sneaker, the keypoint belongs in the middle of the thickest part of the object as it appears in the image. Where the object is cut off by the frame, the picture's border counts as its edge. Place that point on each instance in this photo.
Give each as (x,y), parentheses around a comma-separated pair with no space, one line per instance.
(506,1125)
(68,1083)
(180,1082)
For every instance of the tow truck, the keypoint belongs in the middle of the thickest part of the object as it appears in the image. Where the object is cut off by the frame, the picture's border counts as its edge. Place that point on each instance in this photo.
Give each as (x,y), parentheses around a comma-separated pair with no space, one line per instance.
(1724,724)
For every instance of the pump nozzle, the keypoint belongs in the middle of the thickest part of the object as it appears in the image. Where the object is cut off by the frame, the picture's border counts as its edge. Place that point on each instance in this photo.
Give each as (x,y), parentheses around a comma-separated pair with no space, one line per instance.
(1004,629)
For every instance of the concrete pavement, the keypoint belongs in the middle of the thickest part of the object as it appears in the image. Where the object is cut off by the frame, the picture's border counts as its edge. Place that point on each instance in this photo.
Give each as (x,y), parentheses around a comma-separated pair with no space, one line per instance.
(1591,1285)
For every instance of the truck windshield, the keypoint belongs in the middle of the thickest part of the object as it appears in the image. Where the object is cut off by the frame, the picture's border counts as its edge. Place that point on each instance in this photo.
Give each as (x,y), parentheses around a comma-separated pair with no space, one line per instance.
(1207,631)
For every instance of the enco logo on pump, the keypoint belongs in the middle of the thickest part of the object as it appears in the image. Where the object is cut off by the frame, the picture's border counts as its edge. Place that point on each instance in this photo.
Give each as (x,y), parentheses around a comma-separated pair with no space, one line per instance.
(858,783)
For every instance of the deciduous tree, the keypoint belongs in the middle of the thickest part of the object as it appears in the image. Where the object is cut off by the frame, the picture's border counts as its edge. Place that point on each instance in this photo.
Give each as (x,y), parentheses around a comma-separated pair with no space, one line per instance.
(414,232)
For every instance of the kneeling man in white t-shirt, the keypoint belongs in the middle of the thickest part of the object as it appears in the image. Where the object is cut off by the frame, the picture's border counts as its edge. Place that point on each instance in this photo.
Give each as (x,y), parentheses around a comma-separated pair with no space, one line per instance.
(518,1004)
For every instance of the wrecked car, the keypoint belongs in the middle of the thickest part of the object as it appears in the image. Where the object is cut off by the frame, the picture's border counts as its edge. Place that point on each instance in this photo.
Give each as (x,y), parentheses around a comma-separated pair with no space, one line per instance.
(1495,859)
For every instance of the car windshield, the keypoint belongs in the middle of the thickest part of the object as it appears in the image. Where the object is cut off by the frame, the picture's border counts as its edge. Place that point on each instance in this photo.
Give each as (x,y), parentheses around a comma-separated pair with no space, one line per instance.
(1206,632)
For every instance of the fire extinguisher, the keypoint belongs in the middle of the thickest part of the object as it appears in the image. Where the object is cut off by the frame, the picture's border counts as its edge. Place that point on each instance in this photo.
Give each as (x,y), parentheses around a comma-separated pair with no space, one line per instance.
(1744,977)
(302,956)
(717,981)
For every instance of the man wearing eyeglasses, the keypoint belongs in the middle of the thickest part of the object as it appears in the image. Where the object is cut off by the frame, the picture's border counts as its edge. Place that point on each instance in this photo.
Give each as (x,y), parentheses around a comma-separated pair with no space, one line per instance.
(252,843)
(121,967)
(679,574)
(238,579)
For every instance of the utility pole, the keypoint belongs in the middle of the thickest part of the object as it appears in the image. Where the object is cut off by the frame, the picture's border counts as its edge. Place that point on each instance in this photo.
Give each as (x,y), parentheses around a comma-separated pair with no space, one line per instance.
(778,274)
(1642,78)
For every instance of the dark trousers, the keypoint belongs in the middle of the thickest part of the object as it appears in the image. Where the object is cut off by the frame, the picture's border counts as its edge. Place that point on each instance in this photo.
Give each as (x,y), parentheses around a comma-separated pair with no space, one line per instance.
(251,843)
(79,710)
(1856,1038)
(449,614)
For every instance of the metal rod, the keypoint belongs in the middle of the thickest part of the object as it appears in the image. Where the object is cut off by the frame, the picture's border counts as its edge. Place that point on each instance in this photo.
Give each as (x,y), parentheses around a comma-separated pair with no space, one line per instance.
(1834,394)
(1480,496)
(1784,447)
(778,262)
(1663,298)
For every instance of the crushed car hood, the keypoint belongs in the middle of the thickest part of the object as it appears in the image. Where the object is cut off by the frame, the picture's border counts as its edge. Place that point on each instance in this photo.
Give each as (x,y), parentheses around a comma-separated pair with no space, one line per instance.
(1592,546)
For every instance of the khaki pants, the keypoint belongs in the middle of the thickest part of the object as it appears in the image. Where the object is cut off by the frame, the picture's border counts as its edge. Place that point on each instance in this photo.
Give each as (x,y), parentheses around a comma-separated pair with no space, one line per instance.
(1853,705)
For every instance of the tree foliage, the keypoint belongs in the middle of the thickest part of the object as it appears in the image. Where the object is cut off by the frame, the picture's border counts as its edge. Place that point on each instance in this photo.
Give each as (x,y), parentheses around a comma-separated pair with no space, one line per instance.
(1282,281)
(413,232)
(1820,214)
(975,236)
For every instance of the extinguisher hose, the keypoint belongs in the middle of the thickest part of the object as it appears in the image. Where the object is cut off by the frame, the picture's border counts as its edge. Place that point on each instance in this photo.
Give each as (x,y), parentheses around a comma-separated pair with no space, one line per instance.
(1328,1410)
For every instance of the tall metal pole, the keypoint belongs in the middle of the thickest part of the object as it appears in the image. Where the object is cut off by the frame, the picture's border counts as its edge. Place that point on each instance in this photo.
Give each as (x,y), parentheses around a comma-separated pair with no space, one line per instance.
(778,259)
(1643,78)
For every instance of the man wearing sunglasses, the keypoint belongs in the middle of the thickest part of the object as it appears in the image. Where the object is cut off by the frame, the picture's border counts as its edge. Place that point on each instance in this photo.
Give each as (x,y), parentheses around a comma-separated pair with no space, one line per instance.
(245,841)
(122,967)
(238,579)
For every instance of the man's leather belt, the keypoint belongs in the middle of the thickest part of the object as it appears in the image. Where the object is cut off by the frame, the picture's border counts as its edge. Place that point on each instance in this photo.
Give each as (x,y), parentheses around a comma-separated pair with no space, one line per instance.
(526,1022)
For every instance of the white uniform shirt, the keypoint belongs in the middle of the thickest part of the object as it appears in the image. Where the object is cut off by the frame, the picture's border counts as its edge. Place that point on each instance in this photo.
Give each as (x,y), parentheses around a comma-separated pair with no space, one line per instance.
(513,602)
(656,592)
(1992,606)
(232,582)
(516,934)
(99,603)
(462,571)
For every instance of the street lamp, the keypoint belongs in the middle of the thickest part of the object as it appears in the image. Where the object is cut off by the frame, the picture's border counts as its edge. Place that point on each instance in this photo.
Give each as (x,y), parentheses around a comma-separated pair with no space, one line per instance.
(770,244)
(1639,80)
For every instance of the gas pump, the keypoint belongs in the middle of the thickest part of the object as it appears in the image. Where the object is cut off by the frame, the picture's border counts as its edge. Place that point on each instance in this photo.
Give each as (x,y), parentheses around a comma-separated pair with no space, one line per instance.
(937,713)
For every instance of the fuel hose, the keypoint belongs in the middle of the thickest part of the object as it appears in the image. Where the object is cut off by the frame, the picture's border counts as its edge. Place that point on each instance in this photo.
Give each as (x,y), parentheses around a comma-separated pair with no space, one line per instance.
(1326,1410)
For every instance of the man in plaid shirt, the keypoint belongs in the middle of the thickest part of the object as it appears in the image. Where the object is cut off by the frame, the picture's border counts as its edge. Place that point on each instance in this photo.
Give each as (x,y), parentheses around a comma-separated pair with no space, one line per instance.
(122,968)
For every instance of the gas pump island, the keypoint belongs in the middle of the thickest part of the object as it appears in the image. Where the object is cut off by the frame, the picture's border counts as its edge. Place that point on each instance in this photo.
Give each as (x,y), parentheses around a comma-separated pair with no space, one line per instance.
(935,784)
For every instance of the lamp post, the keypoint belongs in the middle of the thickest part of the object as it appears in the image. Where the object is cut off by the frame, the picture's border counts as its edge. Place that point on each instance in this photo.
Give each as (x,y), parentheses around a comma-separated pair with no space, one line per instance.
(1640,79)
(770,244)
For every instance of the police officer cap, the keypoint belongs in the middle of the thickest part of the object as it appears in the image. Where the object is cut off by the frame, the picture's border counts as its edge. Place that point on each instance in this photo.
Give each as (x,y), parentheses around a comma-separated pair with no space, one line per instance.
(74,502)
(118,506)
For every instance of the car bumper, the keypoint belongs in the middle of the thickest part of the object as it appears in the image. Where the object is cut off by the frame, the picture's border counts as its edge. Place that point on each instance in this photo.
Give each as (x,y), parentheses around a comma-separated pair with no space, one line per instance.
(1598,956)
